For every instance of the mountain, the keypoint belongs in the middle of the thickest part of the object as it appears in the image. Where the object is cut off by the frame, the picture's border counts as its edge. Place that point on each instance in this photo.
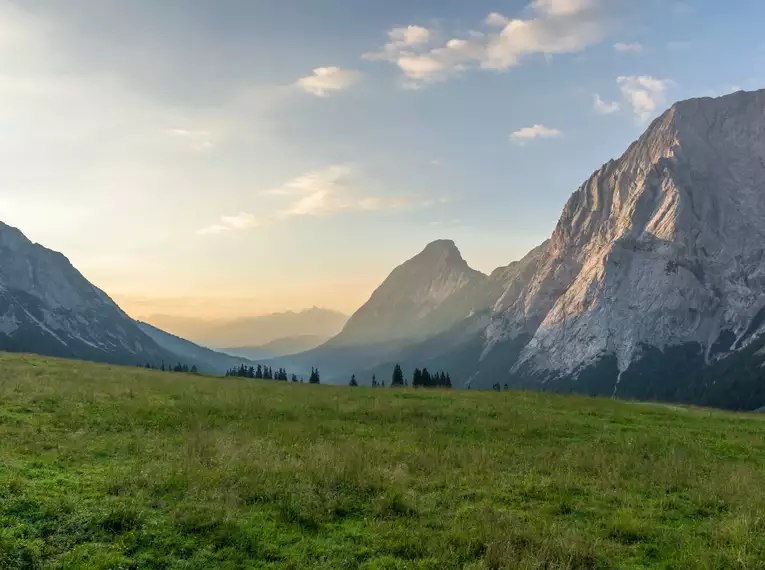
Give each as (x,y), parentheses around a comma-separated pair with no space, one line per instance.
(279,347)
(427,295)
(48,307)
(660,252)
(206,360)
(652,285)
(254,331)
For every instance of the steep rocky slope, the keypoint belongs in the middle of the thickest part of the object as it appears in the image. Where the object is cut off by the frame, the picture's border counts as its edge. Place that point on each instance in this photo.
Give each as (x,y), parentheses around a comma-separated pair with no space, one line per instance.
(427,295)
(48,307)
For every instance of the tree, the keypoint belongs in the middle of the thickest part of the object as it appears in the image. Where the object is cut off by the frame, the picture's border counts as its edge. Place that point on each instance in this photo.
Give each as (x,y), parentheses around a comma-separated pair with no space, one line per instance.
(294,378)
(315,378)
(194,370)
(374,381)
(417,378)
(427,381)
(353,383)
(259,372)
(398,376)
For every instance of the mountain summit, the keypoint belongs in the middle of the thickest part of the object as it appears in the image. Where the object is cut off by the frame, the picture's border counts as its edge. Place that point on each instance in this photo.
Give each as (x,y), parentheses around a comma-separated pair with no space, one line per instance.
(424,296)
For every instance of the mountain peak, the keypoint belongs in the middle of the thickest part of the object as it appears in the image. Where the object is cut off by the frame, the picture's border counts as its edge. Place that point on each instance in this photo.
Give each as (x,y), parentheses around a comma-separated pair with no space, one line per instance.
(442,245)
(417,298)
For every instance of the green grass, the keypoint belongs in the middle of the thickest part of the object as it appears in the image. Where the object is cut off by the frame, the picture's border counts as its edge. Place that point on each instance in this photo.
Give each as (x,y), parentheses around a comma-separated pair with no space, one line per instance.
(107,467)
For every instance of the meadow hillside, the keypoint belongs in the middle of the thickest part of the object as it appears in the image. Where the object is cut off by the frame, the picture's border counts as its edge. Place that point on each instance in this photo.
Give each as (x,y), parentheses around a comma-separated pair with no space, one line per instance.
(106,467)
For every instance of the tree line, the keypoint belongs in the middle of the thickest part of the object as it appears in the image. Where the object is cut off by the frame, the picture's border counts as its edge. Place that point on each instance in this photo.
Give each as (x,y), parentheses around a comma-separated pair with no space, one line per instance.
(170,368)
(420,379)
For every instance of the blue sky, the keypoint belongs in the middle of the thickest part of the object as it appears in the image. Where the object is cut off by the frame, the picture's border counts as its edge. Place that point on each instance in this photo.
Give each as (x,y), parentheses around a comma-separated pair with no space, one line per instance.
(240,156)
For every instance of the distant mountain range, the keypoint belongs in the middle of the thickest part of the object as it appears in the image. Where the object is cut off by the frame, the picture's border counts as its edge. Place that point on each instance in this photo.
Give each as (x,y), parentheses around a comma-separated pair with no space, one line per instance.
(274,334)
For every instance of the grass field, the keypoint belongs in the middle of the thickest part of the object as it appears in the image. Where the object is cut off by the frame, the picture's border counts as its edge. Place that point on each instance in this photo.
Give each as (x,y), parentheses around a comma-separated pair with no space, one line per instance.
(106,467)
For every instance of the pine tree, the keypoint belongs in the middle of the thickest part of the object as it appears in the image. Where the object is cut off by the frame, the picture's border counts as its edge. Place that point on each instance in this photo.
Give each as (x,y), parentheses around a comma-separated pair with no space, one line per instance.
(417,378)
(448,380)
(294,378)
(427,381)
(259,372)
(353,382)
(194,370)
(398,376)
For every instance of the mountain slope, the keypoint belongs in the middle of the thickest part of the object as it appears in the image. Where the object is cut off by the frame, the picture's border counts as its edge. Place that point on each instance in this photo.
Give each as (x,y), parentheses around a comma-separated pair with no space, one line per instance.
(422,297)
(205,359)
(48,307)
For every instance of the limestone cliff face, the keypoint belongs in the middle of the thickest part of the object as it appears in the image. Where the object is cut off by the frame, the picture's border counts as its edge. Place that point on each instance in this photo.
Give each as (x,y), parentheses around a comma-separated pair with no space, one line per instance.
(662,247)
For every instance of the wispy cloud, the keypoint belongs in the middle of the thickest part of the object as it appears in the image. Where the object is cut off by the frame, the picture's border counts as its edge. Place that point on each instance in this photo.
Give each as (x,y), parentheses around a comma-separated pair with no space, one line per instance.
(526,134)
(326,80)
(556,27)
(318,193)
(633,47)
(645,94)
(240,221)
(605,108)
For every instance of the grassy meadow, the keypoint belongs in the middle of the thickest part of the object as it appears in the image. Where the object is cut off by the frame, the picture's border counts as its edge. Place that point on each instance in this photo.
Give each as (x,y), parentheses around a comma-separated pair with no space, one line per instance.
(117,468)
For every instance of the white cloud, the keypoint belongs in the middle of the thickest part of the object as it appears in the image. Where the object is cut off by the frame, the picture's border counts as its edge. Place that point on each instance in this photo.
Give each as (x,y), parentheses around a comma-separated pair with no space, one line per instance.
(325,80)
(562,7)
(240,221)
(400,41)
(605,108)
(537,131)
(633,47)
(557,26)
(644,93)
(324,192)
(497,20)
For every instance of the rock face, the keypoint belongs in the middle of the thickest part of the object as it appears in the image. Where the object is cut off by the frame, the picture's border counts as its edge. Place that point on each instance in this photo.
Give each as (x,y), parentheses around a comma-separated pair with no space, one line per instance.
(48,307)
(427,295)
(662,247)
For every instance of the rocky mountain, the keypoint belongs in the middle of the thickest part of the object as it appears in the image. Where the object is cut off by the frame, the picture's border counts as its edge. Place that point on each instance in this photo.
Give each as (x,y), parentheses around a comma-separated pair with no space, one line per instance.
(658,250)
(427,295)
(48,307)
(255,332)
(653,282)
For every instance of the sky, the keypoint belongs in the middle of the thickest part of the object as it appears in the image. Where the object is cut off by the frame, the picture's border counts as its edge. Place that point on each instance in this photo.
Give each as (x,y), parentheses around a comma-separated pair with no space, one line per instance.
(220,158)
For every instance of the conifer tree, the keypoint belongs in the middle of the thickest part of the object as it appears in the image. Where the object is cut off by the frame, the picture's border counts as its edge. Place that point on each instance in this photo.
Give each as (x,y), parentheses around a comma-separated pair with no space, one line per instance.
(398,376)
(353,382)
